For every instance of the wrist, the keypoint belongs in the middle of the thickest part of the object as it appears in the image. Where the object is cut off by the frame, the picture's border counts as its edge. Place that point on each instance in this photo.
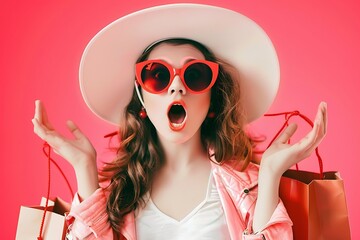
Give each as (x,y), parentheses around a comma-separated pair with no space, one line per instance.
(85,163)
(87,177)
(270,169)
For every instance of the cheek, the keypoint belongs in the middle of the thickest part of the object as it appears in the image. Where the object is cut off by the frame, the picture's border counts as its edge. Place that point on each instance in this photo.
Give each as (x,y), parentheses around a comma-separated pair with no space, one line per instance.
(198,109)
(155,108)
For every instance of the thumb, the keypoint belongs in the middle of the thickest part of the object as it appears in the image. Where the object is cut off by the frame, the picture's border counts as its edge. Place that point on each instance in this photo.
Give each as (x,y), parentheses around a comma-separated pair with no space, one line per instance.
(287,133)
(75,130)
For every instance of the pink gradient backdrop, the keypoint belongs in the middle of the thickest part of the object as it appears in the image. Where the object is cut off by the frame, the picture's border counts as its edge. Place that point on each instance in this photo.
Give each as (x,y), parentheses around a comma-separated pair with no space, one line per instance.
(41,45)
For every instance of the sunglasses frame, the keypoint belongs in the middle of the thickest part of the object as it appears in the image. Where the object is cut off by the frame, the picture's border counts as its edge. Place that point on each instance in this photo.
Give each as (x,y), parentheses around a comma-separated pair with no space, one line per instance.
(176,71)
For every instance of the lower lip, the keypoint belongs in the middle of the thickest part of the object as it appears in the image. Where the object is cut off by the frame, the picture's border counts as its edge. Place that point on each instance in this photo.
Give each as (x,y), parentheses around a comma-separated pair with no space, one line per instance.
(177,126)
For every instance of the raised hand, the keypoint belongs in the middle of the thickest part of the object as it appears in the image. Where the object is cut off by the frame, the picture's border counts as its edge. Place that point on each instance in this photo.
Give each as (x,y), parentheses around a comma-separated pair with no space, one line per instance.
(78,151)
(280,156)
(73,150)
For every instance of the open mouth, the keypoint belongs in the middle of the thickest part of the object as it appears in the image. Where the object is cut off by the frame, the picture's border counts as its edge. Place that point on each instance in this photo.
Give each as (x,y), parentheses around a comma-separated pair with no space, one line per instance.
(177,116)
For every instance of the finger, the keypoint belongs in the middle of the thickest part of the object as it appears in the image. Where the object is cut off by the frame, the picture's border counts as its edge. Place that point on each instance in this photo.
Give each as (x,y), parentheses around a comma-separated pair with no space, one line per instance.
(45,118)
(75,130)
(320,124)
(287,133)
(316,135)
(38,114)
(41,114)
(324,116)
(38,129)
(319,115)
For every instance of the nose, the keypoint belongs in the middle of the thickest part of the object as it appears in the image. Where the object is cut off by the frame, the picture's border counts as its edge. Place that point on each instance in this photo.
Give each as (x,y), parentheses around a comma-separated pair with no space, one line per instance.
(177,86)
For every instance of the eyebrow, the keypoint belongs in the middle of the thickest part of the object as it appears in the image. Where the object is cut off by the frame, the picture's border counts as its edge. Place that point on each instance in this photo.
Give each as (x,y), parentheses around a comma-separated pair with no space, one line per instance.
(189,60)
(183,61)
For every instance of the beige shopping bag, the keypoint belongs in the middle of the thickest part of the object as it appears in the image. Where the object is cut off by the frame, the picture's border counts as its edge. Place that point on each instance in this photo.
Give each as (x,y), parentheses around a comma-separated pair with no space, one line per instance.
(30,219)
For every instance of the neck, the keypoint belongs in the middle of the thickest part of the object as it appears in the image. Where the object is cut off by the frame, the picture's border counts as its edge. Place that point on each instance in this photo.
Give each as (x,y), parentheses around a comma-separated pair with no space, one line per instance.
(184,155)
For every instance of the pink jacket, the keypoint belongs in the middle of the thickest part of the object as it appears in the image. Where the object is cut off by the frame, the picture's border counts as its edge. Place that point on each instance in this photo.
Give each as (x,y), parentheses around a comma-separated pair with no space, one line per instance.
(237,190)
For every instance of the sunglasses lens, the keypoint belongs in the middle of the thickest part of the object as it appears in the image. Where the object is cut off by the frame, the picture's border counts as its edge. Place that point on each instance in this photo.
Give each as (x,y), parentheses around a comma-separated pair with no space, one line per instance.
(155,77)
(198,76)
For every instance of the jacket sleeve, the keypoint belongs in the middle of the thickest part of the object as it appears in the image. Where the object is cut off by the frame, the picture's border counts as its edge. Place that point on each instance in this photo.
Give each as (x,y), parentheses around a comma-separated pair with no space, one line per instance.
(89,219)
(278,227)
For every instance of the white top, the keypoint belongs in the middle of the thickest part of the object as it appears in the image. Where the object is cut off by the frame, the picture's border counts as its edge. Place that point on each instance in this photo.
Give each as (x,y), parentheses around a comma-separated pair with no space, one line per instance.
(205,222)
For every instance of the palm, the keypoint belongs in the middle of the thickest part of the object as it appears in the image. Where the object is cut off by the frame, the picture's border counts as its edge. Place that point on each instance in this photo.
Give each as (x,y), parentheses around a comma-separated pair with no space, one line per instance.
(73,150)
(280,155)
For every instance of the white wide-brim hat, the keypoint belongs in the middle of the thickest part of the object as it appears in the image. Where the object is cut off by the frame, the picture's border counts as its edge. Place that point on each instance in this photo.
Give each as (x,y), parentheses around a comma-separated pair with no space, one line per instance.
(107,68)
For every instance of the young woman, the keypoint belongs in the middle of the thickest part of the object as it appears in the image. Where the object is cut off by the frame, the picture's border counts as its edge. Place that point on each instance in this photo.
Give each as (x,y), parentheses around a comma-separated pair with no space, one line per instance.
(183,168)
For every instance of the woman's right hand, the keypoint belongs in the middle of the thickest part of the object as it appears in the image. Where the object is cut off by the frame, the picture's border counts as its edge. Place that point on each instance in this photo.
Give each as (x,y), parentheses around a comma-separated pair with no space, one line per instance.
(75,151)
(78,151)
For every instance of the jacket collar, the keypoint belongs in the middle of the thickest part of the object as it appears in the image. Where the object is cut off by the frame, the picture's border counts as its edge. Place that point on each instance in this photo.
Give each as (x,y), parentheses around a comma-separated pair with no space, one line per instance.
(231,171)
(128,230)
(237,191)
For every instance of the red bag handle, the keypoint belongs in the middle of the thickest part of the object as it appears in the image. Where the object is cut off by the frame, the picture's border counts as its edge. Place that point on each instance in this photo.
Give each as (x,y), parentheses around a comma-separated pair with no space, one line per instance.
(46,151)
(289,115)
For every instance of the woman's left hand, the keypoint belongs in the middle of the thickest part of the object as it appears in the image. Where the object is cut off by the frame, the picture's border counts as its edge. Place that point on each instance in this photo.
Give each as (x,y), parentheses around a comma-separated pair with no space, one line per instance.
(280,156)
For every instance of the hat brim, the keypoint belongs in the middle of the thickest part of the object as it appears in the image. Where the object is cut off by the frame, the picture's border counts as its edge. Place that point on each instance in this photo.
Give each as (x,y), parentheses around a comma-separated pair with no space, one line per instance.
(107,68)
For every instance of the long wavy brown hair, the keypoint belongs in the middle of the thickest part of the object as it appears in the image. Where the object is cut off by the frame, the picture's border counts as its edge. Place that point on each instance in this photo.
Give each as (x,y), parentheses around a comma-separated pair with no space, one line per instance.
(139,155)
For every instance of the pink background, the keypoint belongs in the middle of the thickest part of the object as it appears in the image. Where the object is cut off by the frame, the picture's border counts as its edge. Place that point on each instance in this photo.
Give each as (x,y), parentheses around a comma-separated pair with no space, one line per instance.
(41,45)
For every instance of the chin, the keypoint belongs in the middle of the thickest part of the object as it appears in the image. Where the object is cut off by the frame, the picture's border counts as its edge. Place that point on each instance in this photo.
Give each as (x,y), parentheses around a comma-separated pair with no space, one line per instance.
(179,137)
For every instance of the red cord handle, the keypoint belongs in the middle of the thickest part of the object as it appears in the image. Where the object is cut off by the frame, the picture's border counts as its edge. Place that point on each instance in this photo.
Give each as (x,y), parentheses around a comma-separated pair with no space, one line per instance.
(289,115)
(47,150)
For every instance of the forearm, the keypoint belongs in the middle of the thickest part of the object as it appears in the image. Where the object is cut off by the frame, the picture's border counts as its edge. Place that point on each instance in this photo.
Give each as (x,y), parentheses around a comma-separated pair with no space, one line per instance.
(87,178)
(268,197)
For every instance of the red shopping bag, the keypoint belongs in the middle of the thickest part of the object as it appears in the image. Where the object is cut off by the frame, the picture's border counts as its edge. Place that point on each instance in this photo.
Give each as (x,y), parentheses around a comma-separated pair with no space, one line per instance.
(316,202)
(317,206)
